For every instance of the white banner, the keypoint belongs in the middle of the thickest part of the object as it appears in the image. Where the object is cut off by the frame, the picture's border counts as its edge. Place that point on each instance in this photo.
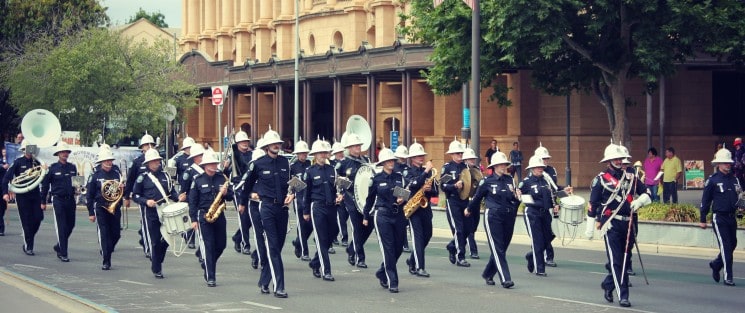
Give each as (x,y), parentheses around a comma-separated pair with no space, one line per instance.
(71,138)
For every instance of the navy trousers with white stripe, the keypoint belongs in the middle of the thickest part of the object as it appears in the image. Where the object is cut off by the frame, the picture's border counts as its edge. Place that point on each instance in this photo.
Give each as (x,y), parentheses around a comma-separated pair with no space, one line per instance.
(460,225)
(109,231)
(499,225)
(158,245)
(323,218)
(343,217)
(421,229)
(274,220)
(360,233)
(616,248)
(391,231)
(242,234)
(304,229)
(31,215)
(64,219)
(539,229)
(260,251)
(725,228)
(214,237)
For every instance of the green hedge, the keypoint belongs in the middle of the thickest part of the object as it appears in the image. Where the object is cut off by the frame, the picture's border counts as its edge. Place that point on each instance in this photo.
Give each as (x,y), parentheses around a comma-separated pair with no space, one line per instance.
(677,212)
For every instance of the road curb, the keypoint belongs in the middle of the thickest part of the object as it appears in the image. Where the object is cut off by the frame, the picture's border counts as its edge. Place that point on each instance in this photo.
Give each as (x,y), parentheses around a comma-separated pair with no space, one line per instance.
(62,299)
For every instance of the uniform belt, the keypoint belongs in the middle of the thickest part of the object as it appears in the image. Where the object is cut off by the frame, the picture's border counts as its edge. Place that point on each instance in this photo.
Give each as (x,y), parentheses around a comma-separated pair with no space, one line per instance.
(622,218)
(394,210)
(271,200)
(63,196)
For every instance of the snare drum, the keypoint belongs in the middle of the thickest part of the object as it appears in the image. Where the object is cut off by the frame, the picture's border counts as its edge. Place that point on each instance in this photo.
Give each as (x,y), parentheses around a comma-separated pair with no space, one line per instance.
(175,218)
(572,209)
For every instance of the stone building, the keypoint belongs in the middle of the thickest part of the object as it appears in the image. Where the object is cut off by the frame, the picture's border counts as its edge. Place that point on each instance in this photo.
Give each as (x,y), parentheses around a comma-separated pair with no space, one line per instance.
(353,62)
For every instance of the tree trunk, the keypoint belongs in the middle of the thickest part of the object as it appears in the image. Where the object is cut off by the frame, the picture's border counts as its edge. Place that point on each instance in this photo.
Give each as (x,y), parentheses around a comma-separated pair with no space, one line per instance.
(620,132)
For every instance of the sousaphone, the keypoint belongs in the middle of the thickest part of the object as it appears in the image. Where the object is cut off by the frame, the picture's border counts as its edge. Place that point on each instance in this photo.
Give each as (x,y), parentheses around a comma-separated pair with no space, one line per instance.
(357,124)
(41,129)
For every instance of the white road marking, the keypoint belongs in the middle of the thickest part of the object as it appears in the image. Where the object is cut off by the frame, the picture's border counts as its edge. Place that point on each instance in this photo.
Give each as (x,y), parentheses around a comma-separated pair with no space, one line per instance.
(232,310)
(598,273)
(587,262)
(134,282)
(262,305)
(30,266)
(593,304)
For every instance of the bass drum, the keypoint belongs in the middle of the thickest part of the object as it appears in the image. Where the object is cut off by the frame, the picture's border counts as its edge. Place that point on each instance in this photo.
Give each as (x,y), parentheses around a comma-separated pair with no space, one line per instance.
(362,182)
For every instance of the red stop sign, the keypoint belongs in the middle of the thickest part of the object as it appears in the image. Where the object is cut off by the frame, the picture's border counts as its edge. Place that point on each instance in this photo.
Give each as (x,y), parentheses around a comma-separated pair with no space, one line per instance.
(217,95)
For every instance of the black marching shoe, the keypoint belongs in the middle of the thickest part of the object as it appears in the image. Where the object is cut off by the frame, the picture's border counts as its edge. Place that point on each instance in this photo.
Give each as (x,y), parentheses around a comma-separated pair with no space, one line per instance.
(551,263)
(237,246)
(264,290)
(463,263)
(332,250)
(254,261)
(246,250)
(2,233)
(729,282)
(361,264)
(298,251)
(158,275)
(541,274)
(192,246)
(305,258)
(350,259)
(475,255)
(489,280)
(412,270)
(317,273)
(383,280)
(344,243)
(335,242)
(393,289)
(422,273)
(451,255)
(106,267)
(211,283)
(531,266)
(56,249)
(406,249)
(714,272)
(27,252)
(630,272)
(63,258)
(508,284)
(328,277)
(147,255)
(624,303)
(280,294)
(608,295)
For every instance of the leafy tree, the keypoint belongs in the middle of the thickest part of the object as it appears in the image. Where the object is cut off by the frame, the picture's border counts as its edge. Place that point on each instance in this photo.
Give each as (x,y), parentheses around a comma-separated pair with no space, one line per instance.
(156,18)
(24,21)
(99,77)
(591,46)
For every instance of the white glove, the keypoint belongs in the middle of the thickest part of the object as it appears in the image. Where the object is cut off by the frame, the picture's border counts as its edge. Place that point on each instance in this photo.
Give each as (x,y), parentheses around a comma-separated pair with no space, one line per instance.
(643,200)
(589,227)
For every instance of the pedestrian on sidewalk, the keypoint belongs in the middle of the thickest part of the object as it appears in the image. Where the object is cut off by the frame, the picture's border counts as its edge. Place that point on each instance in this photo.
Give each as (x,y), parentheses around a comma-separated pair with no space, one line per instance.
(652,166)
(672,168)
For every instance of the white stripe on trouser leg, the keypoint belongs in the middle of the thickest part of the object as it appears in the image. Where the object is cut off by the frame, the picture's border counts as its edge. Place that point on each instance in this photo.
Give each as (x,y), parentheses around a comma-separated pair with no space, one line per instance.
(612,268)
(532,241)
(56,226)
(204,250)
(489,237)
(382,249)
(98,228)
(718,233)
(455,229)
(269,257)
(298,220)
(338,221)
(148,234)
(145,229)
(354,243)
(240,223)
(318,241)
(413,246)
(23,232)
(256,231)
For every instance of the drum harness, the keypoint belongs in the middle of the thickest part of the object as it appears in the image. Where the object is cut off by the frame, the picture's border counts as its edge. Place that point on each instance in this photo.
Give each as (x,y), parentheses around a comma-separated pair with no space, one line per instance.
(182,247)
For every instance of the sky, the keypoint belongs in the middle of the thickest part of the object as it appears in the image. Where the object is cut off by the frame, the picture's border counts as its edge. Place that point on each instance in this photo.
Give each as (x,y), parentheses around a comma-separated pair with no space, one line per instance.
(119,11)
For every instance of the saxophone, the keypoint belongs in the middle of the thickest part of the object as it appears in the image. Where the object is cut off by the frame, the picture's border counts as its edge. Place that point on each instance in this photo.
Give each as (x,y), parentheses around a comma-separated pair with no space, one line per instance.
(418,200)
(216,208)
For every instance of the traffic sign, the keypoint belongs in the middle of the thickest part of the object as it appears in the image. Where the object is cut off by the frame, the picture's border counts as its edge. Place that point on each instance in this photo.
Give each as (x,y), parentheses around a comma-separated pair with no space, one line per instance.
(218,94)
(394,140)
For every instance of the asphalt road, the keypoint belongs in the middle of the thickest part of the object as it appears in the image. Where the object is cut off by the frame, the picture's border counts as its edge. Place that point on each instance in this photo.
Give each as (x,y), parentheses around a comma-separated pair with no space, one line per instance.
(677,284)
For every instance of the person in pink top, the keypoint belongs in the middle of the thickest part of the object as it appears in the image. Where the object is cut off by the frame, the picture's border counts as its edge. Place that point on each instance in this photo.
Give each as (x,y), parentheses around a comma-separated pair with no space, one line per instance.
(652,166)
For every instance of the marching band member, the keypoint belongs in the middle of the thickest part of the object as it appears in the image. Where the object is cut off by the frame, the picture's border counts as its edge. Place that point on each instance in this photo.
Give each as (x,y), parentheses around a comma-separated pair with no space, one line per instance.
(470,158)
(420,222)
(499,194)
(611,197)
(3,205)
(183,162)
(551,172)
(390,223)
(190,174)
(537,214)
(258,256)
(459,223)
(30,210)
(59,180)
(109,225)
(319,207)
(269,175)
(304,228)
(721,194)
(150,189)
(337,152)
(242,155)
(402,153)
(204,189)
(360,233)
(138,167)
